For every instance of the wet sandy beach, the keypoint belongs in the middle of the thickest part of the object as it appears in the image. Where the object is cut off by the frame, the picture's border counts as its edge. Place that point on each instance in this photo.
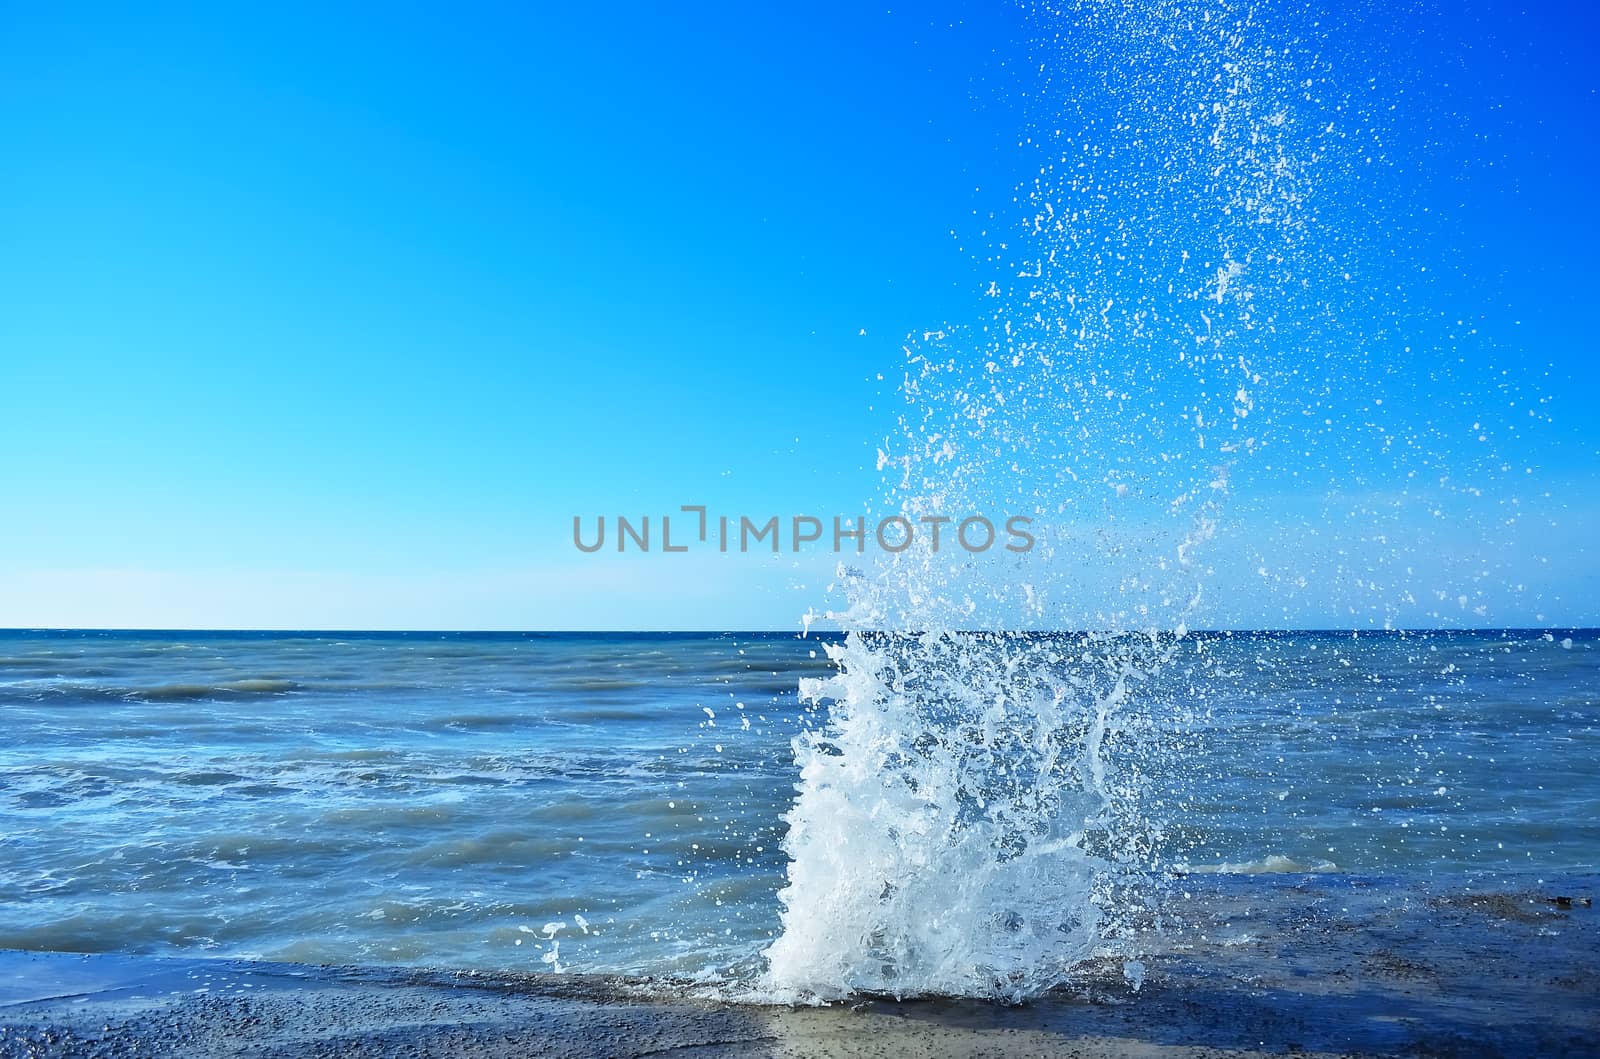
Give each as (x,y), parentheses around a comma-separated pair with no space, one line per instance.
(1322,965)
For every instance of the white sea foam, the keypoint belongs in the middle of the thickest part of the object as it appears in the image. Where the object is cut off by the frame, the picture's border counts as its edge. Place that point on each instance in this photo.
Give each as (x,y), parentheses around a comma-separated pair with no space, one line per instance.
(972,814)
(939,837)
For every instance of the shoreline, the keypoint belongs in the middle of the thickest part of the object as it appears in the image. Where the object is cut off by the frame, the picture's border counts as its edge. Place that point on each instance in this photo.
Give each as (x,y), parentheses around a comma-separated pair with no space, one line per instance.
(1310,964)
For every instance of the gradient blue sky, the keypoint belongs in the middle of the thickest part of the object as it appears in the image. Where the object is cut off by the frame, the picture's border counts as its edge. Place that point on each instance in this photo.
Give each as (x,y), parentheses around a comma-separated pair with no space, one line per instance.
(333,316)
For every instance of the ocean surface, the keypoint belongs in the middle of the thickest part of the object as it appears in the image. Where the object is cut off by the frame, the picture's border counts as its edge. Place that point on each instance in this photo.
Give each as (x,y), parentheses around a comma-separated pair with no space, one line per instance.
(616,802)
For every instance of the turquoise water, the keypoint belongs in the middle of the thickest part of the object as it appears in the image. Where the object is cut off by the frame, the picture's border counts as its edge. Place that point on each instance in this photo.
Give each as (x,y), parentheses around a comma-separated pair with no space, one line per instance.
(615,802)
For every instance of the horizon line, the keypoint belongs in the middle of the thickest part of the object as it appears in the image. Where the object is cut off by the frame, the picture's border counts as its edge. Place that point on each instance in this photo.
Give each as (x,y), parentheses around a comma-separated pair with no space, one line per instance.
(798,633)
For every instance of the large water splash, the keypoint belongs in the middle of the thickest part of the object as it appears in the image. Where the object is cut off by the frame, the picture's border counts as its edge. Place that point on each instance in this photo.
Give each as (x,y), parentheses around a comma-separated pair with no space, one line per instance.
(974,815)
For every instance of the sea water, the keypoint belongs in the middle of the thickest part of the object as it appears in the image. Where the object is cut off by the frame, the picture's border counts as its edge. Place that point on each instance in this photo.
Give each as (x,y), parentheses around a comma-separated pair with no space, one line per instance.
(618,802)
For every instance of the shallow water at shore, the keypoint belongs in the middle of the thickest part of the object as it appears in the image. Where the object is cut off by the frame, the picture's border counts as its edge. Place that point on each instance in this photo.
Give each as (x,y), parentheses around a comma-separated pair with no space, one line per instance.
(1314,964)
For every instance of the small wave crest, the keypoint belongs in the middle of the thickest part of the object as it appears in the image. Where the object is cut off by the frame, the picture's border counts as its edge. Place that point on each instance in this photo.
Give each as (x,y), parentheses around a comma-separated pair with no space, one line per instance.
(226,689)
(1276,864)
(89,692)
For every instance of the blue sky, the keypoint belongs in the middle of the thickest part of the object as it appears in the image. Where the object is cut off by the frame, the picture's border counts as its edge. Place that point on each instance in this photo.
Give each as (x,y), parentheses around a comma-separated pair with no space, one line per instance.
(335,318)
